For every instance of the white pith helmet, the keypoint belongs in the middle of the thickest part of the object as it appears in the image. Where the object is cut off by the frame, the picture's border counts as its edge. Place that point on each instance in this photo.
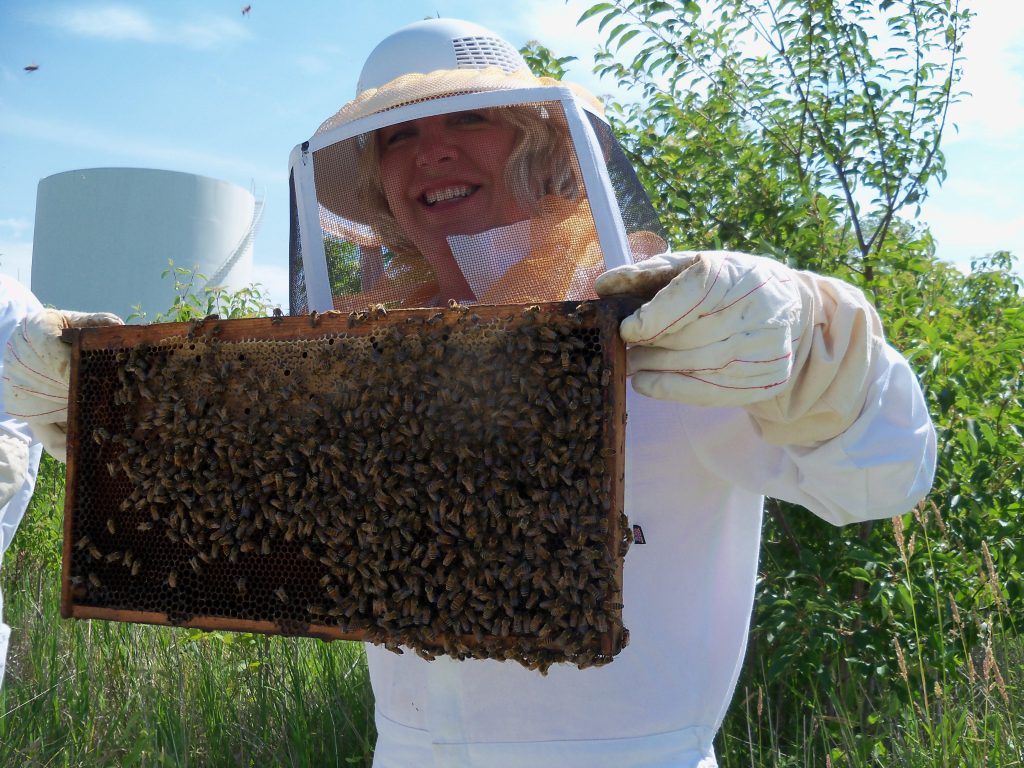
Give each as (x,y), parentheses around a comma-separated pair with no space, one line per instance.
(434,44)
(441,57)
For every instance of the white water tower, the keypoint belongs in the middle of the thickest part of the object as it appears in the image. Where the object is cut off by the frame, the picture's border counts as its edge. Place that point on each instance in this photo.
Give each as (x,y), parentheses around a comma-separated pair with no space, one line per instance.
(103,236)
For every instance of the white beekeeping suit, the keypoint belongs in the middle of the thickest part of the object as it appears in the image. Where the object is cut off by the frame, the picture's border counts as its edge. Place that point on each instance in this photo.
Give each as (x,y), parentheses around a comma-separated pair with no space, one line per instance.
(19,450)
(33,402)
(456,174)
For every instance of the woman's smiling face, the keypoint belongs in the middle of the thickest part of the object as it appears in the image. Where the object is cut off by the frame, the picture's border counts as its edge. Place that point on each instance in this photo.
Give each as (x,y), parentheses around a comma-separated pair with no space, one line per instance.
(445,175)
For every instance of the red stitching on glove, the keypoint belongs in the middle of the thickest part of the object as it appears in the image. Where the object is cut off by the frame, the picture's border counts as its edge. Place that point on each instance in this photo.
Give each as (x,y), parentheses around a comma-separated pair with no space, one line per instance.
(723,367)
(14,354)
(713,383)
(663,330)
(35,415)
(741,298)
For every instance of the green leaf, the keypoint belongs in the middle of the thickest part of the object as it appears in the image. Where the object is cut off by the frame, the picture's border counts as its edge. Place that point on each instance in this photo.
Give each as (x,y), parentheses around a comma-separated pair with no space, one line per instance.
(860,574)
(906,599)
(627,37)
(593,11)
(619,29)
(608,17)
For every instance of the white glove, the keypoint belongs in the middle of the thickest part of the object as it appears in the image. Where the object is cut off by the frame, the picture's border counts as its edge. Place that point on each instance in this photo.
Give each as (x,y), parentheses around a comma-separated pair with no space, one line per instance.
(36,368)
(724,329)
(13,468)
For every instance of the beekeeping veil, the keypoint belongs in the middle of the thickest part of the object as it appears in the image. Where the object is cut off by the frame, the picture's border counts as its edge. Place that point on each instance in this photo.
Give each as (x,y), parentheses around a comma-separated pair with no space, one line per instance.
(578,207)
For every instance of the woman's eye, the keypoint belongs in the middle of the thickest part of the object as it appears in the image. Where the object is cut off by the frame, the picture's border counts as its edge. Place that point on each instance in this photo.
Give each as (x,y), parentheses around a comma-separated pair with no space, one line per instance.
(397,136)
(470,118)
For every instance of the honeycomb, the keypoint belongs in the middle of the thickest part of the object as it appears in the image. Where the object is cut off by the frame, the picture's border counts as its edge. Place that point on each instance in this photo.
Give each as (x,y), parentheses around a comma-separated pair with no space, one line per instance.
(445,480)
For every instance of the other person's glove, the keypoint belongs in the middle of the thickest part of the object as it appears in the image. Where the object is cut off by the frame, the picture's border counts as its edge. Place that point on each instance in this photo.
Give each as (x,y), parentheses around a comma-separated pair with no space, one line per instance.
(725,329)
(13,468)
(36,368)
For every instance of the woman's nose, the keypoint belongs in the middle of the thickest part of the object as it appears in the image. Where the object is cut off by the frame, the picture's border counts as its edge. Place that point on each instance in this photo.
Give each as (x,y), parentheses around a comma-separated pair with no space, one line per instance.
(434,148)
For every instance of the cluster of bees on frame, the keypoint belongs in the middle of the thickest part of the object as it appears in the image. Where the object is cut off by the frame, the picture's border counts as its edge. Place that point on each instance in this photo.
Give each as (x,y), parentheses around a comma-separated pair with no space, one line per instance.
(439,483)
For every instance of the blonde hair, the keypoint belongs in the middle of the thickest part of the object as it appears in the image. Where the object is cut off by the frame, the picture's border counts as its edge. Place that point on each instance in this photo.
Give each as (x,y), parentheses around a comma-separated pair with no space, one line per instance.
(540,164)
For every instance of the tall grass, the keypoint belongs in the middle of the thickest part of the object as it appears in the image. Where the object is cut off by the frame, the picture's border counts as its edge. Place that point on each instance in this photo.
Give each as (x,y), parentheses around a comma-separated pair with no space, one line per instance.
(974,720)
(95,693)
(956,699)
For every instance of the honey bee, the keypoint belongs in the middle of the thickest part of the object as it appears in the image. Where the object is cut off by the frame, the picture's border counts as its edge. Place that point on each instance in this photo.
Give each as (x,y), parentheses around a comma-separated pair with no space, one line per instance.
(172,579)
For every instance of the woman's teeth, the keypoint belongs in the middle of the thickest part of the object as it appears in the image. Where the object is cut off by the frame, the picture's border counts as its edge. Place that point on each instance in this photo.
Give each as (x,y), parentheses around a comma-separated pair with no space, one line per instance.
(448,193)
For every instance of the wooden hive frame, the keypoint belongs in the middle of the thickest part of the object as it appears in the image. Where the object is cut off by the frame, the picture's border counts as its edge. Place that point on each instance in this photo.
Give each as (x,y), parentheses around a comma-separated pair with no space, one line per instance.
(450,480)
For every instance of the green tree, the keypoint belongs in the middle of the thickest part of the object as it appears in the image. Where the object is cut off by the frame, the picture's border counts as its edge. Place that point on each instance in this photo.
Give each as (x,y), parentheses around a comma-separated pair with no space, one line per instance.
(810,130)
(804,126)
(543,62)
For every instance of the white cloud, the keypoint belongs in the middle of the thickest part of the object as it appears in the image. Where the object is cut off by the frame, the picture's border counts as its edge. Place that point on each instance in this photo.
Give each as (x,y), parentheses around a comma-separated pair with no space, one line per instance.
(993,75)
(963,236)
(127,148)
(110,22)
(969,217)
(17,227)
(209,32)
(553,24)
(16,260)
(121,22)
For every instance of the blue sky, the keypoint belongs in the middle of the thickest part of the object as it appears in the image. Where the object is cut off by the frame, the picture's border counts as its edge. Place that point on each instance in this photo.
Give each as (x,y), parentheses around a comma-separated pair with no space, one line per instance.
(200,87)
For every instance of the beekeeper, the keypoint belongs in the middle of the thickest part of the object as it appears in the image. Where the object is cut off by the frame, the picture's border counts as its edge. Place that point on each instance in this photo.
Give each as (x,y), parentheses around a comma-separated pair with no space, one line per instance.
(33,403)
(456,174)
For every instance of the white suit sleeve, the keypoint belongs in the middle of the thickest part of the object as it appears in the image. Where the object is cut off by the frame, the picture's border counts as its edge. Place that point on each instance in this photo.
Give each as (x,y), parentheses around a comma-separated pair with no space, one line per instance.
(881,465)
(16,303)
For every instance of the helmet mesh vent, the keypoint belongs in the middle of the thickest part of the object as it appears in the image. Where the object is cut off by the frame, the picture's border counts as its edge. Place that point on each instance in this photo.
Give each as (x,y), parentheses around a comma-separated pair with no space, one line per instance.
(481,52)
